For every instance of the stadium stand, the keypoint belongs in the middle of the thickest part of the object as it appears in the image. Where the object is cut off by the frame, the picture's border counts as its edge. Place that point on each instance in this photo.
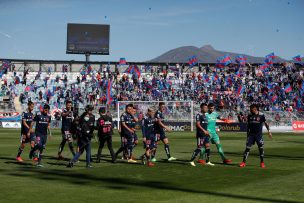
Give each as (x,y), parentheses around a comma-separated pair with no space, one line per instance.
(232,88)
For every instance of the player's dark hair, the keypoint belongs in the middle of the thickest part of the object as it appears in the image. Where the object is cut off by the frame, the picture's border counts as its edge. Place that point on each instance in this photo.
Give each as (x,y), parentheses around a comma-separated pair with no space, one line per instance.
(129,105)
(83,115)
(46,107)
(210,105)
(254,106)
(203,104)
(30,103)
(102,109)
(161,104)
(68,102)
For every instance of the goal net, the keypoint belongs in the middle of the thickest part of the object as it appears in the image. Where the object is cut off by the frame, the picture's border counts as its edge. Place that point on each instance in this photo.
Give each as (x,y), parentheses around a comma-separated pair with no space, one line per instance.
(178,114)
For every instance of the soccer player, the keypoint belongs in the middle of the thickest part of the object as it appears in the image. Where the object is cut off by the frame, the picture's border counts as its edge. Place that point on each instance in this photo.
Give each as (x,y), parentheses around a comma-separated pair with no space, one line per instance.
(42,121)
(123,144)
(148,137)
(202,135)
(212,116)
(127,133)
(86,123)
(255,121)
(67,119)
(160,128)
(26,134)
(134,121)
(104,125)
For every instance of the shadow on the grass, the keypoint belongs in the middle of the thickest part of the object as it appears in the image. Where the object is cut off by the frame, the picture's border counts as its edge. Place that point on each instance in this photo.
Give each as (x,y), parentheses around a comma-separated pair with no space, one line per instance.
(57,164)
(177,161)
(7,158)
(12,160)
(221,163)
(55,158)
(273,156)
(73,177)
(18,163)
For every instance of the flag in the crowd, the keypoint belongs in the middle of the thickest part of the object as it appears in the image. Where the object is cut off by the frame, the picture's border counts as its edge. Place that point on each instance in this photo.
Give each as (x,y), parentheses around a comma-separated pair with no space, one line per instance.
(297,58)
(240,59)
(148,86)
(268,61)
(122,61)
(219,64)
(147,68)
(271,56)
(240,90)
(160,85)
(263,67)
(238,74)
(192,61)
(298,102)
(136,71)
(83,72)
(288,88)
(206,78)
(89,68)
(133,69)
(109,94)
(156,93)
(226,59)
(302,86)
(215,77)
(49,93)
(129,69)
(154,81)
(223,61)
(274,98)
(17,80)
(174,69)
(228,81)
(6,64)
(270,88)
(54,89)
(168,83)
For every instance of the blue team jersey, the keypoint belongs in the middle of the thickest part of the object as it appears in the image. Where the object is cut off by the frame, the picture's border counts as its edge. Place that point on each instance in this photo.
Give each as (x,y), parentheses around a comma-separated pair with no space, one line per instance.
(128,120)
(67,120)
(255,123)
(148,127)
(42,122)
(28,118)
(202,119)
(133,124)
(159,116)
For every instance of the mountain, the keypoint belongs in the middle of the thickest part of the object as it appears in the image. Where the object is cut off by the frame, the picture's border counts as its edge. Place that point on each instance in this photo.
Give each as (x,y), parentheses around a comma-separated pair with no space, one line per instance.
(205,54)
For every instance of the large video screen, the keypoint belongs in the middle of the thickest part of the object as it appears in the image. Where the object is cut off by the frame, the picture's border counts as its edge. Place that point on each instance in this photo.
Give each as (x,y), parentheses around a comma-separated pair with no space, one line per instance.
(88,38)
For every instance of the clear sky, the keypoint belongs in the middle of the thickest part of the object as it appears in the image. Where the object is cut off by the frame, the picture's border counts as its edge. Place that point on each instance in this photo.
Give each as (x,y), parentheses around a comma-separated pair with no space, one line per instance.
(144,29)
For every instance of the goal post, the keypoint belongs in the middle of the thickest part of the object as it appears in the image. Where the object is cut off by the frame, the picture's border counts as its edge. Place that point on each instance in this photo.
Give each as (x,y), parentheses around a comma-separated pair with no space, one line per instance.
(179,115)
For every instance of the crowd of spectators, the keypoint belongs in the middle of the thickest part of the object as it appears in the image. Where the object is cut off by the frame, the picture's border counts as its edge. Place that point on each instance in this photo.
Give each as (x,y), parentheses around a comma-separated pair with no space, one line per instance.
(231,88)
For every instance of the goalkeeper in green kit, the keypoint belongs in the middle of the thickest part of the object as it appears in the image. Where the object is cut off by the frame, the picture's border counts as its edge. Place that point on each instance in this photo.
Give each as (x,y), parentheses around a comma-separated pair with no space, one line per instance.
(212,116)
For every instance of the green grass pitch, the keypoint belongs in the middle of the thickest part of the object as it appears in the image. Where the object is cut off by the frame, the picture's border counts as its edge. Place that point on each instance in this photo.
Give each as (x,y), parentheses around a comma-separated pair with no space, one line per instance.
(281,181)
